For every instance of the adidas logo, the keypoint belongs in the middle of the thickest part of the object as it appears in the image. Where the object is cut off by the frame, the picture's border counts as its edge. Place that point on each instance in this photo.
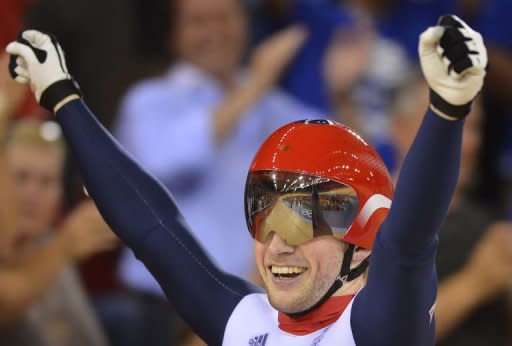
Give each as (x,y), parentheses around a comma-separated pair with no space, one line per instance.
(259,340)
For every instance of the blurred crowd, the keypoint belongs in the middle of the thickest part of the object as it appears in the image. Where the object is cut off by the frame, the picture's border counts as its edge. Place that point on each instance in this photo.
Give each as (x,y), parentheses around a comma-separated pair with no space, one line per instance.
(191,88)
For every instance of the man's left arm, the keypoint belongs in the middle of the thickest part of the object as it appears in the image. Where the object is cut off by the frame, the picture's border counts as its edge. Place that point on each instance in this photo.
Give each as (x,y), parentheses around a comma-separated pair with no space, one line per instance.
(402,279)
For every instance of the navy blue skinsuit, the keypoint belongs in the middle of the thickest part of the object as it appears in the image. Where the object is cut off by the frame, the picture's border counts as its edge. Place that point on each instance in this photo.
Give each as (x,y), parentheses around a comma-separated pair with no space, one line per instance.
(392,309)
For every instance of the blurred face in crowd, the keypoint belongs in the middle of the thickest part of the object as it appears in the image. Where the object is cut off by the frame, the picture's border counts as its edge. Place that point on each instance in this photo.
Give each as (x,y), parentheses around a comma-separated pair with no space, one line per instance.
(297,277)
(406,125)
(37,172)
(210,34)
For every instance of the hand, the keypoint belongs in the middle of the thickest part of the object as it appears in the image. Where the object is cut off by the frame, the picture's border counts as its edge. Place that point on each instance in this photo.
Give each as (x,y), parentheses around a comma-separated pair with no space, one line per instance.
(453,59)
(272,56)
(490,265)
(37,58)
(86,233)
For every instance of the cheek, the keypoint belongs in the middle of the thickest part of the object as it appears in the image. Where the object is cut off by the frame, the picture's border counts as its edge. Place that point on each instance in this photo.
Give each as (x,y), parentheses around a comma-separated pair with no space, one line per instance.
(187,40)
(325,274)
(328,265)
(186,45)
(51,198)
(23,194)
(327,262)
(238,30)
(259,254)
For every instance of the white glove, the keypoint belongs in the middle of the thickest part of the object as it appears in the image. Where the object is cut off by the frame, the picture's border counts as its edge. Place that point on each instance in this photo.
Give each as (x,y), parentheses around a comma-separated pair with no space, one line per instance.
(453,59)
(37,58)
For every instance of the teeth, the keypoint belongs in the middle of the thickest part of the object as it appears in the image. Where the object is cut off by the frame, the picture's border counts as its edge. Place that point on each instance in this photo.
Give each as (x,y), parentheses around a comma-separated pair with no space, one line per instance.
(287,270)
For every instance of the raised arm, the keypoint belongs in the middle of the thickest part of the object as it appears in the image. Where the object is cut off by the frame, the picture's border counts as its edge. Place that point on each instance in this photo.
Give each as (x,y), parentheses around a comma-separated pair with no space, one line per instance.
(402,279)
(133,203)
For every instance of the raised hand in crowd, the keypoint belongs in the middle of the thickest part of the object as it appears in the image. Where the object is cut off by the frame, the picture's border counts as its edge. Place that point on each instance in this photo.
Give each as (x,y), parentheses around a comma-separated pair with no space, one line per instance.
(266,64)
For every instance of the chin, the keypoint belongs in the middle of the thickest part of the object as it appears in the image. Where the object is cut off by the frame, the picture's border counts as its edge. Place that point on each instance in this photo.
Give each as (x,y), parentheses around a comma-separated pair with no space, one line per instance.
(282,306)
(286,302)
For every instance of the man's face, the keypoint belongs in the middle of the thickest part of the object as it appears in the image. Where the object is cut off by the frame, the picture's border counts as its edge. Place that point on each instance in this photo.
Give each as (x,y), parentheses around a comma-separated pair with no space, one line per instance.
(211,34)
(37,173)
(308,270)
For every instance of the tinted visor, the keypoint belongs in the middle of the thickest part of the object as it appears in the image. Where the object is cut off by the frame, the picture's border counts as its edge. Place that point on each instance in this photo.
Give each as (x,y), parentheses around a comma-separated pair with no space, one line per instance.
(297,206)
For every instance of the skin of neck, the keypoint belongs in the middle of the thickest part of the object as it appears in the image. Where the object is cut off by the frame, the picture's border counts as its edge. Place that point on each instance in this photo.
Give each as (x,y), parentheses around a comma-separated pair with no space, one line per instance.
(352,287)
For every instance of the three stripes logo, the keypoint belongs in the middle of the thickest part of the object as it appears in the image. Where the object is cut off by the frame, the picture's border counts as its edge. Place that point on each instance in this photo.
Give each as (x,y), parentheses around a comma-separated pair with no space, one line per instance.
(259,340)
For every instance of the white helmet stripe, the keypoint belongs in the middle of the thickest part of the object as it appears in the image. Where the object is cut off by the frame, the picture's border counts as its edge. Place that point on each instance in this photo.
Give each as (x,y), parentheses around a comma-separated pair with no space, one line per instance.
(373,203)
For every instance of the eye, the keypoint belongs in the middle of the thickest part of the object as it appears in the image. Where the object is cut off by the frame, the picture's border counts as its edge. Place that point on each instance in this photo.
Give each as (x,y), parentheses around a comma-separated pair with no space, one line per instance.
(21,177)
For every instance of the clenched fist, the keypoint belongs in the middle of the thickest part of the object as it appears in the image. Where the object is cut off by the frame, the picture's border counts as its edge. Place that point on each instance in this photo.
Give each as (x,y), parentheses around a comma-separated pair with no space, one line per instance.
(453,59)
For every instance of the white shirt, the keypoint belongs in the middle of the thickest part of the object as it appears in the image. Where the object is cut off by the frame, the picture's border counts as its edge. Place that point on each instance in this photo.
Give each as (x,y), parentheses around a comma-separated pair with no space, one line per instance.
(254,322)
(167,124)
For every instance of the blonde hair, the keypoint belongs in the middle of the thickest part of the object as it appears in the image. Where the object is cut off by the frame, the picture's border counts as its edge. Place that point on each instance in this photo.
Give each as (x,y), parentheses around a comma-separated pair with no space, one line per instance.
(41,134)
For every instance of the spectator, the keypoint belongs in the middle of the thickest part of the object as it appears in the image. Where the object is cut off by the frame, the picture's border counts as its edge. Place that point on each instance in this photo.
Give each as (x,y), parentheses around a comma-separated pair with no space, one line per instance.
(222,111)
(7,209)
(397,24)
(361,70)
(347,66)
(475,254)
(41,299)
(376,43)
(495,170)
(304,78)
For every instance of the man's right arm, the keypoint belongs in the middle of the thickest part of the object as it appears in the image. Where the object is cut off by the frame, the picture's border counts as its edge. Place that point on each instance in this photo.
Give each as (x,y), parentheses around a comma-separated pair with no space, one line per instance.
(146,218)
(267,63)
(133,203)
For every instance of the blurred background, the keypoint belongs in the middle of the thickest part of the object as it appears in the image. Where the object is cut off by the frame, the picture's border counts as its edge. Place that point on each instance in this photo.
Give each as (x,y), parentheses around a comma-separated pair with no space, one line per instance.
(191,88)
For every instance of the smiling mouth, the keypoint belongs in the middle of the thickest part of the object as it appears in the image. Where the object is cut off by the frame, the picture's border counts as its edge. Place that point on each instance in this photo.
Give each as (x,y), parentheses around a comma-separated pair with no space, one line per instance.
(284,272)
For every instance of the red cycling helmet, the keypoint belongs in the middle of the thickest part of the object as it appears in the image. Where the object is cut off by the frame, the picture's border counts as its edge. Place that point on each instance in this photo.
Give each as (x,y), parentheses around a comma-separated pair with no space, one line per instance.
(323,178)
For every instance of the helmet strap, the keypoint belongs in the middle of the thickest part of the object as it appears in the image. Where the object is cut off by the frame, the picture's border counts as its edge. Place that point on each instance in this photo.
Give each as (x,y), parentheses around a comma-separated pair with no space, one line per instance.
(346,275)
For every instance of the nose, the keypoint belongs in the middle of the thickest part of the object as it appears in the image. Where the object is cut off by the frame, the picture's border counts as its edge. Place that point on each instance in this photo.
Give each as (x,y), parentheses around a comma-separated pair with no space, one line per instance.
(278,246)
